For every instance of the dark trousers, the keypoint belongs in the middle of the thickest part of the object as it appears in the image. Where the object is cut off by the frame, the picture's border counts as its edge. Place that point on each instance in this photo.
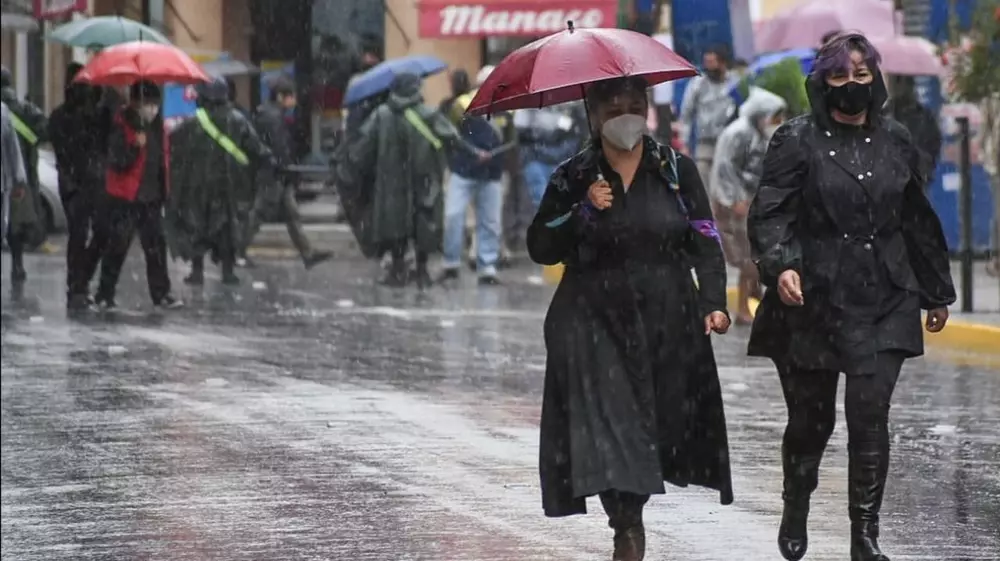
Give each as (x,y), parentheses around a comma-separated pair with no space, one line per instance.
(123,220)
(810,396)
(15,242)
(624,510)
(288,210)
(85,242)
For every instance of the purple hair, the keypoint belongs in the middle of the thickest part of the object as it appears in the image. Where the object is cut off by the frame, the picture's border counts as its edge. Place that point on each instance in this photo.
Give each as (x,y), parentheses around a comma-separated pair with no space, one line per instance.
(835,55)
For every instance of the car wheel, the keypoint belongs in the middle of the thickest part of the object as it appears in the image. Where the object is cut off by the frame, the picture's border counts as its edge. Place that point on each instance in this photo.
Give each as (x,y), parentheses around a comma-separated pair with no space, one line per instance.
(49,216)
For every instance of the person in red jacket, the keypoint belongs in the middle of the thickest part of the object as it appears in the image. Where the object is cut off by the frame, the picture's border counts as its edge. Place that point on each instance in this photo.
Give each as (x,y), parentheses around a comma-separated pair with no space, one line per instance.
(137,187)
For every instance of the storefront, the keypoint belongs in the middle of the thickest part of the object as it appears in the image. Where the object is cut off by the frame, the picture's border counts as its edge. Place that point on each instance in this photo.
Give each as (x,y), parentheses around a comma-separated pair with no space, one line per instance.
(27,55)
(467,34)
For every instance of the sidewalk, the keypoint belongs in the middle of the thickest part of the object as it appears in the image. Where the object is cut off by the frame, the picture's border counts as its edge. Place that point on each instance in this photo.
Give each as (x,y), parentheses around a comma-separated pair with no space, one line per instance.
(318,218)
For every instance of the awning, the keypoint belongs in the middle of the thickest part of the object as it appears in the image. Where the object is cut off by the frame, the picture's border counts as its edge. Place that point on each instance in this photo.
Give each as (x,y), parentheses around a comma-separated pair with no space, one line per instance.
(526,18)
(19,23)
(48,9)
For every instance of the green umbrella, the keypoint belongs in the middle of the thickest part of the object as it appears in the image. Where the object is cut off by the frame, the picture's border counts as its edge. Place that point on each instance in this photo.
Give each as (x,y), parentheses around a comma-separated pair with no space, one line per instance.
(104,31)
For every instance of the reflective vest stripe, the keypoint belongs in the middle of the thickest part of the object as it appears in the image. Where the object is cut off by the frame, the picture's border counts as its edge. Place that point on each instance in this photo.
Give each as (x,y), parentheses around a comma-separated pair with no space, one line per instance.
(224,141)
(23,129)
(419,124)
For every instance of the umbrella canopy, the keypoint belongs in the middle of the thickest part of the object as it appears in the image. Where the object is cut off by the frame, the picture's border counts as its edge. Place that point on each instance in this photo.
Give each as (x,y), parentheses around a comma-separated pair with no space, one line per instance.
(908,56)
(379,78)
(806,57)
(804,24)
(128,63)
(104,31)
(557,68)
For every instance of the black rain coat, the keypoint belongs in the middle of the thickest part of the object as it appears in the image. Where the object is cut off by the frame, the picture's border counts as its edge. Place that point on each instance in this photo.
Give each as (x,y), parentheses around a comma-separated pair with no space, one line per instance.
(845,207)
(632,396)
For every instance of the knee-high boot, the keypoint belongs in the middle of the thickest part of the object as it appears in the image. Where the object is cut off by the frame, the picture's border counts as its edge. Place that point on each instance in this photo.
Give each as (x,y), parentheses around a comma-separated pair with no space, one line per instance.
(868,467)
(624,512)
(801,476)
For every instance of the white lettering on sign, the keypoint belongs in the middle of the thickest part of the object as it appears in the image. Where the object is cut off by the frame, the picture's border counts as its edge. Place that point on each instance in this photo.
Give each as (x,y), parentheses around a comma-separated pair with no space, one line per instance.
(475,19)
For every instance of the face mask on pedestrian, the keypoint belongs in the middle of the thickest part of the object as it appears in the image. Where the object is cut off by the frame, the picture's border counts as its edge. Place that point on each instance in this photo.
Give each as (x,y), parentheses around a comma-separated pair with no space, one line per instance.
(624,131)
(851,98)
(148,112)
(769,131)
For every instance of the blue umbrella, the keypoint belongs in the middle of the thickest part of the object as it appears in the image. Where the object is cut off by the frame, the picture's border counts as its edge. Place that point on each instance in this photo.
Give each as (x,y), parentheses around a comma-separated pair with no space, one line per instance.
(379,78)
(765,61)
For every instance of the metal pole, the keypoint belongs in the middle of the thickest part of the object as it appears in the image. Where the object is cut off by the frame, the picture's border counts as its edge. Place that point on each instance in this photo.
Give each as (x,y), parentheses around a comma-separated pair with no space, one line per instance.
(965,212)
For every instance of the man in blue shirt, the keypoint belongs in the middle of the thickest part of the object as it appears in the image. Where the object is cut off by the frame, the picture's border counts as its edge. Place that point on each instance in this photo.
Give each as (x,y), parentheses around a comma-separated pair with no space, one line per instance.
(475,180)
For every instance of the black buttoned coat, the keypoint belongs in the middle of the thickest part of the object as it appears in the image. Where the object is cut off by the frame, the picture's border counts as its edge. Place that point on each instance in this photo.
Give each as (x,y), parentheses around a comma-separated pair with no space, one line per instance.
(845,207)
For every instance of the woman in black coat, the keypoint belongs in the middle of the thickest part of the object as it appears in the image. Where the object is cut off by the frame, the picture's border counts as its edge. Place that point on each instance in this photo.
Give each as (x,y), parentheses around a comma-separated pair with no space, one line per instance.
(632,395)
(850,250)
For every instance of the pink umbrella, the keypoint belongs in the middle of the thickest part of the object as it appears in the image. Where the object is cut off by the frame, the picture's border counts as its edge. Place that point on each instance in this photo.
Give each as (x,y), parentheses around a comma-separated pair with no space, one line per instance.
(803,25)
(908,56)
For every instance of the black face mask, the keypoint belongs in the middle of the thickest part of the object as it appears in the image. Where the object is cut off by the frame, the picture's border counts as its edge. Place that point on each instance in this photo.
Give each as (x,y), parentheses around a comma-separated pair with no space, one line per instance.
(714,75)
(851,98)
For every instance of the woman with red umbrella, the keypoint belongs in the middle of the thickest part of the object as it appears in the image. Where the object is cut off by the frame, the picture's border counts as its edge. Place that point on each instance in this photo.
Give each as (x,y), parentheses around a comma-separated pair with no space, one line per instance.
(136,192)
(632,396)
(136,179)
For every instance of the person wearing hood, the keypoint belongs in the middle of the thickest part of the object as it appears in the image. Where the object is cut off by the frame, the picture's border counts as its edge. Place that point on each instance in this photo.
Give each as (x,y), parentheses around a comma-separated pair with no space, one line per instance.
(631,396)
(215,157)
(475,178)
(136,188)
(27,227)
(13,177)
(401,148)
(75,132)
(278,197)
(920,121)
(735,172)
(850,251)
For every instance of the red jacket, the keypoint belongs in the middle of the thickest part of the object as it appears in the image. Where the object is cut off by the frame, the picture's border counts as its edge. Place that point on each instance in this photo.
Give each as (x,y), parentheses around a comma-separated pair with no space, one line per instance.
(125,184)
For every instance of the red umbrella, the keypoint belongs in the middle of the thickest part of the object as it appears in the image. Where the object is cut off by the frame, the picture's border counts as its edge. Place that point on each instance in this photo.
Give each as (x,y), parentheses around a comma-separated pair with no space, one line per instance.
(128,63)
(557,68)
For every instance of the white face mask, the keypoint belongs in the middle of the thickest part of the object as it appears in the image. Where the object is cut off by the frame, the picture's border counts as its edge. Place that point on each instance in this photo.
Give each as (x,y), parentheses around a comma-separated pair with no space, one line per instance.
(624,131)
(769,131)
(149,112)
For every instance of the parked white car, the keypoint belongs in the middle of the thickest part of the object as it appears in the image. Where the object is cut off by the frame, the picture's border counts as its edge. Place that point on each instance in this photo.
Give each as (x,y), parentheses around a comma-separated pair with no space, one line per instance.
(48,182)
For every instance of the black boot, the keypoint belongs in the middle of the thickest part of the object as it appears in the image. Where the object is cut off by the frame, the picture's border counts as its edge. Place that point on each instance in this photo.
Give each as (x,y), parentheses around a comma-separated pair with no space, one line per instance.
(624,512)
(800,480)
(17,272)
(197,276)
(867,469)
(423,276)
(229,272)
(397,275)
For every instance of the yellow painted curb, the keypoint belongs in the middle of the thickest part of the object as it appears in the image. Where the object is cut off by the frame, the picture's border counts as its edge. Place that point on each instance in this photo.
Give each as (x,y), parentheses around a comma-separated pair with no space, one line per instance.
(959,339)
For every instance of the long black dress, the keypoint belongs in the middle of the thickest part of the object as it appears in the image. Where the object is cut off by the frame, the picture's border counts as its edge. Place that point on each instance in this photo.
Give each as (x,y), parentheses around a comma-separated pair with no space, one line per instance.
(845,207)
(632,394)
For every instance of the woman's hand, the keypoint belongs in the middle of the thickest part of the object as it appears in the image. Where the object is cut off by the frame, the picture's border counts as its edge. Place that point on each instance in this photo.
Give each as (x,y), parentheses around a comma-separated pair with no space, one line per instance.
(599,194)
(790,288)
(937,319)
(717,322)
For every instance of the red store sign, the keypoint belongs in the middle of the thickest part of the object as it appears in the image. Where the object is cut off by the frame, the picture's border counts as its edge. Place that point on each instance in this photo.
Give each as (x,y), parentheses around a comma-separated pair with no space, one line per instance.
(48,9)
(454,18)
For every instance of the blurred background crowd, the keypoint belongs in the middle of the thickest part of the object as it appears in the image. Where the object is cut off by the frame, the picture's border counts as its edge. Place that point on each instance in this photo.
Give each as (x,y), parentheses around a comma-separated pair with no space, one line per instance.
(940,58)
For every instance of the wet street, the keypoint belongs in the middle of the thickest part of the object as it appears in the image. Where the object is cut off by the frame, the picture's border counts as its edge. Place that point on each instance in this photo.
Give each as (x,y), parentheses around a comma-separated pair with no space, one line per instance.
(320,418)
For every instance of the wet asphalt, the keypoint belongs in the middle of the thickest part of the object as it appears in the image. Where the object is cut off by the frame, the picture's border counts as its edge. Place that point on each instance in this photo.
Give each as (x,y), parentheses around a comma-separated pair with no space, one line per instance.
(313,416)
